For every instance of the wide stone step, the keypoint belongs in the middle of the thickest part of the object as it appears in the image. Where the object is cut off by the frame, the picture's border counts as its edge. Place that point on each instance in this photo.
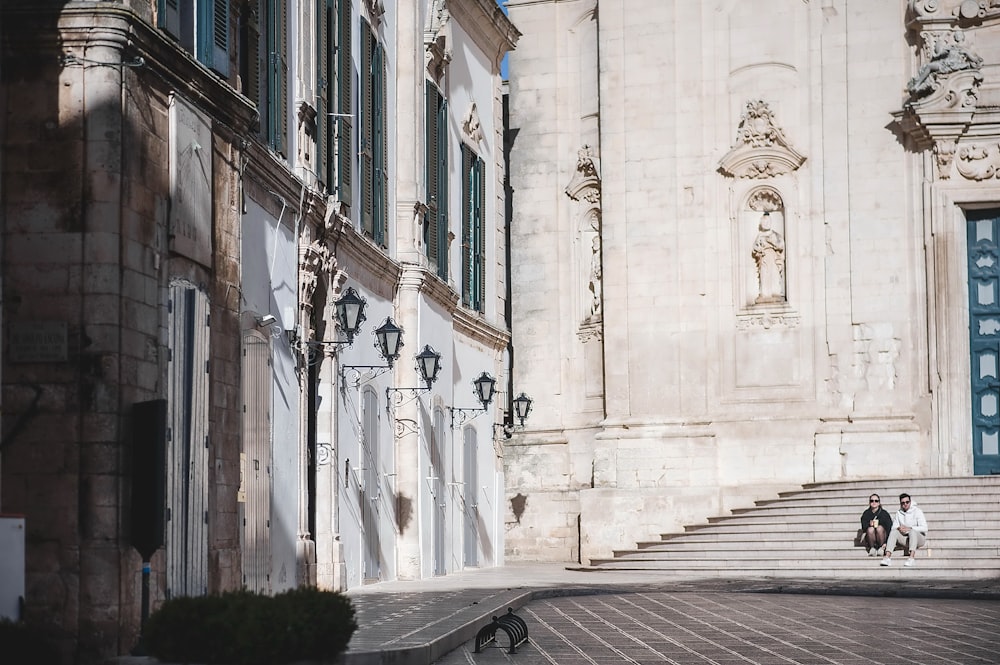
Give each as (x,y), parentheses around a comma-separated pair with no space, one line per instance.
(969,552)
(985,569)
(771,544)
(808,533)
(947,505)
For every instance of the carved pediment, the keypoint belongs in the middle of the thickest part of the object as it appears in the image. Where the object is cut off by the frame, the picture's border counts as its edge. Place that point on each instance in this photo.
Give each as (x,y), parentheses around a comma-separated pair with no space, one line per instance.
(586,182)
(761,149)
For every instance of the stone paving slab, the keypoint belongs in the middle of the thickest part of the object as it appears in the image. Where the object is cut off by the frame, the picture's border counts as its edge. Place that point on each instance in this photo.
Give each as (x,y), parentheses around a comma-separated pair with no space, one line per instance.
(435,621)
(692,627)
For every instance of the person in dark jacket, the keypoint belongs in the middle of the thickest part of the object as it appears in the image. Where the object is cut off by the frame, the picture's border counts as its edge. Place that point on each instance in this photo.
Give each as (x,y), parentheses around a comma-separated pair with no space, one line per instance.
(876,522)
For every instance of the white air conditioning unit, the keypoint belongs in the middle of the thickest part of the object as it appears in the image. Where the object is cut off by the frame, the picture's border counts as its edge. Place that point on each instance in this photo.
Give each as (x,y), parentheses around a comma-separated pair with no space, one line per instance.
(11,566)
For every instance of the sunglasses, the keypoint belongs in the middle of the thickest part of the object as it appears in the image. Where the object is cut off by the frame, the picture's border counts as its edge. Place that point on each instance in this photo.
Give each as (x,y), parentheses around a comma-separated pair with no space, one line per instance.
(905,502)
(873,501)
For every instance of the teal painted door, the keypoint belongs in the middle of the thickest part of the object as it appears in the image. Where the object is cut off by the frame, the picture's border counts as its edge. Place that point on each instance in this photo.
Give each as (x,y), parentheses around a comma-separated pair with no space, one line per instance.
(984,338)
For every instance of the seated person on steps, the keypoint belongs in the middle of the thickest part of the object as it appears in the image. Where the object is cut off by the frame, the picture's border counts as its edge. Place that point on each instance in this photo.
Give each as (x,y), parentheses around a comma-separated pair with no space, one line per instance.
(909,526)
(876,522)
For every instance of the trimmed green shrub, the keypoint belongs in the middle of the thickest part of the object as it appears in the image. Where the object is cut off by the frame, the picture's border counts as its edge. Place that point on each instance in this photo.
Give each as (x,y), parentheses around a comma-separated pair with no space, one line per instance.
(25,644)
(244,628)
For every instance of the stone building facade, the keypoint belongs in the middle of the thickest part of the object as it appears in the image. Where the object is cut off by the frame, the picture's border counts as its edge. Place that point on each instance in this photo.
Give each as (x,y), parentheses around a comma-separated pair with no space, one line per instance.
(754,246)
(189,188)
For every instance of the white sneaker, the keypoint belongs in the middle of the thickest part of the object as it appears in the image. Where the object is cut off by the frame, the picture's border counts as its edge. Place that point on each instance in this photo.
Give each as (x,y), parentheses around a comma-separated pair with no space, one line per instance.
(910,562)
(873,552)
(886,562)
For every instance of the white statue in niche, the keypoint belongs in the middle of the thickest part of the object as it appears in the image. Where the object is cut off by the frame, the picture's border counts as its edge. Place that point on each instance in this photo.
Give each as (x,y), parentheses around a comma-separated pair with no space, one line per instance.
(595,277)
(769,254)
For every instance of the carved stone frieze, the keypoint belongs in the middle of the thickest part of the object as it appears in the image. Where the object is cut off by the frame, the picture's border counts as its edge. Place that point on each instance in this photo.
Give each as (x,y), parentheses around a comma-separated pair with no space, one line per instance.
(316,259)
(962,10)
(761,149)
(767,321)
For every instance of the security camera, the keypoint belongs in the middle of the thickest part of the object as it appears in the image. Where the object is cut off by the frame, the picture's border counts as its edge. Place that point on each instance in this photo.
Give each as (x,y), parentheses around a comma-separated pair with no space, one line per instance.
(267,320)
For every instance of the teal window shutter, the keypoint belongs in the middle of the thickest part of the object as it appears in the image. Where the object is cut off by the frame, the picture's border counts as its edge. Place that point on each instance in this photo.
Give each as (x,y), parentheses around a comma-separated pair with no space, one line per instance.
(473,230)
(277,74)
(344,122)
(168,17)
(325,123)
(366,147)
(436,166)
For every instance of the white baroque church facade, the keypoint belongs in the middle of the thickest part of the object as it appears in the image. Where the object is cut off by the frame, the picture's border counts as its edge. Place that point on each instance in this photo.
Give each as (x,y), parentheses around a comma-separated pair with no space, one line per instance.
(754,245)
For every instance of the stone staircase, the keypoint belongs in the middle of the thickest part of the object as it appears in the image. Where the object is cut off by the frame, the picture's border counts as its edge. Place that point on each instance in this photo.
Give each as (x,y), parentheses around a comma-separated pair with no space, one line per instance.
(808,533)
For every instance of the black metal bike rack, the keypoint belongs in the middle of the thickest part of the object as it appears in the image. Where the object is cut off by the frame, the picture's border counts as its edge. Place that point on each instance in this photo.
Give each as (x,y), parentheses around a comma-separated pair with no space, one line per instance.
(510,623)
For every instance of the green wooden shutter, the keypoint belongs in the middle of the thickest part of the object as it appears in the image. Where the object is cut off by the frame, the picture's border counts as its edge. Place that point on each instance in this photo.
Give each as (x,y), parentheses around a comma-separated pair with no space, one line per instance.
(168,17)
(479,235)
(431,104)
(220,37)
(367,131)
(466,226)
(250,51)
(344,121)
(442,189)
(324,122)
(380,147)
(277,89)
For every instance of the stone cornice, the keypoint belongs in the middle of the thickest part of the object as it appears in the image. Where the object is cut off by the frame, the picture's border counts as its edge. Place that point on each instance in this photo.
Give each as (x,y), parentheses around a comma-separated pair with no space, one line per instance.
(474,326)
(488,26)
(82,25)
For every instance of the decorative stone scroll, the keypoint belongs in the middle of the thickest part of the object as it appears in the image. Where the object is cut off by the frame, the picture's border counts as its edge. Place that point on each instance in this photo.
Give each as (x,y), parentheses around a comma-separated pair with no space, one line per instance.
(977,161)
(761,149)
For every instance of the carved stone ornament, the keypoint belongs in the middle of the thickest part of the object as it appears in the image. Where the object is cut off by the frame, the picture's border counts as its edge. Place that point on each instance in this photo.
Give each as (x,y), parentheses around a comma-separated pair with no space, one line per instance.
(963,10)
(944,53)
(761,149)
(375,11)
(586,182)
(767,321)
(944,97)
(592,329)
(436,33)
(316,259)
(471,126)
(978,161)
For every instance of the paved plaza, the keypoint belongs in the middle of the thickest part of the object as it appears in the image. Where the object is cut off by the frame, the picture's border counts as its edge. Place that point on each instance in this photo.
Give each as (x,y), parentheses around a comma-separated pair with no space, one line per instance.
(576,617)
(748,628)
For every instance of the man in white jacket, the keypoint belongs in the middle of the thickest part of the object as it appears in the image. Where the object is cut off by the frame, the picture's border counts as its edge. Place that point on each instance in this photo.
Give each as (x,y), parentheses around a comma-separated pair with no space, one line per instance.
(908,525)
